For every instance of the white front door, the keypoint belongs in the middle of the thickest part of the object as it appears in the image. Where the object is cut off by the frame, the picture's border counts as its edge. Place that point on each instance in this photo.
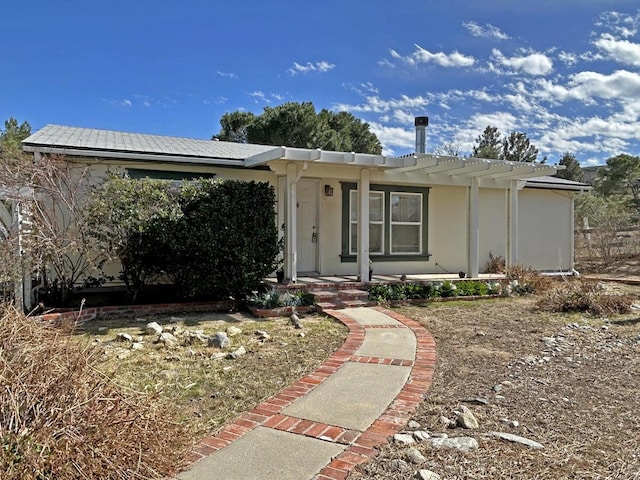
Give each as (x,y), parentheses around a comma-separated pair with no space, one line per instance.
(307,221)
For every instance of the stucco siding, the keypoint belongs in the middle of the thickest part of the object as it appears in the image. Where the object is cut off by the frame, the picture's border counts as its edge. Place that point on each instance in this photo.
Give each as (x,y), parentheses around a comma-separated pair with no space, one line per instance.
(545,233)
(493,225)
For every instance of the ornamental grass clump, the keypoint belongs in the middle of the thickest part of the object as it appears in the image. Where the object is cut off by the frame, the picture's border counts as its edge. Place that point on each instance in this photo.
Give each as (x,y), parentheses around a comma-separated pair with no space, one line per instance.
(584,296)
(60,418)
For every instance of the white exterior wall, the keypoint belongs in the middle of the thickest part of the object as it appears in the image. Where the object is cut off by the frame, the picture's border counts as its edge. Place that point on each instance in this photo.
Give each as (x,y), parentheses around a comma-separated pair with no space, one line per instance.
(493,225)
(545,229)
(545,232)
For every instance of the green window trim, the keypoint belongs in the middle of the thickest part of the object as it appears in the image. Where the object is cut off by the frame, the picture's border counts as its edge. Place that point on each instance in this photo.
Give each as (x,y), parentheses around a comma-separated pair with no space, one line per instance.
(348,257)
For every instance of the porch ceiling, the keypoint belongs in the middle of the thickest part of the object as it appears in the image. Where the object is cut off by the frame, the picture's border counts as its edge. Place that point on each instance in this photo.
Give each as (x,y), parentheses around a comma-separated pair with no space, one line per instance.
(419,163)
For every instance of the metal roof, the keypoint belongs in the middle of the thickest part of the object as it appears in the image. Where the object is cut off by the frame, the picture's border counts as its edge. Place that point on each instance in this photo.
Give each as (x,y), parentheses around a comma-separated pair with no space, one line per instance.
(114,144)
(556,183)
(89,142)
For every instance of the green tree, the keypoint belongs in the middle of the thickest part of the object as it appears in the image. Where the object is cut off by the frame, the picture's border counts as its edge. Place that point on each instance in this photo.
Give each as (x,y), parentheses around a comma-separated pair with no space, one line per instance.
(488,144)
(11,137)
(518,148)
(234,127)
(573,170)
(299,125)
(619,176)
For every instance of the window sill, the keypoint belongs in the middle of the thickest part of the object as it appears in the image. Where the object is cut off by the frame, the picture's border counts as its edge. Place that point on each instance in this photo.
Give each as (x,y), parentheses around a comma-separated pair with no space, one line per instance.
(388,258)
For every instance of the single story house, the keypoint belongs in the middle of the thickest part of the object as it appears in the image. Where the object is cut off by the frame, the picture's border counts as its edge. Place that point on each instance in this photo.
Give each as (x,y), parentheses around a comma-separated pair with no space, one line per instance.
(414,214)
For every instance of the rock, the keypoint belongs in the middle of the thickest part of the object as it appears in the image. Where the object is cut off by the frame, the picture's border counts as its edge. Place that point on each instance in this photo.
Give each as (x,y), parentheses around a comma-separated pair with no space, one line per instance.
(237,353)
(153,328)
(295,320)
(137,346)
(413,425)
(497,388)
(427,475)
(499,397)
(466,419)
(439,435)
(169,374)
(124,337)
(233,331)
(262,335)
(168,339)
(476,400)
(509,437)
(176,319)
(511,423)
(102,329)
(399,465)
(123,354)
(414,456)
(421,435)
(172,358)
(480,333)
(447,422)
(219,340)
(463,444)
(403,438)
(218,356)
(301,334)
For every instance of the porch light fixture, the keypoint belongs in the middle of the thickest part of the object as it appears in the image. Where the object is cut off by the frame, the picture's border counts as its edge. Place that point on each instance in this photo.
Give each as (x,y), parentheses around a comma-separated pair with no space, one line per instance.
(328,191)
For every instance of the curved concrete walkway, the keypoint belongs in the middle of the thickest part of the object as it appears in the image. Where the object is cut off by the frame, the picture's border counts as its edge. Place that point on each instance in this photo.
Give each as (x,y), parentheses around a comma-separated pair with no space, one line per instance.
(328,422)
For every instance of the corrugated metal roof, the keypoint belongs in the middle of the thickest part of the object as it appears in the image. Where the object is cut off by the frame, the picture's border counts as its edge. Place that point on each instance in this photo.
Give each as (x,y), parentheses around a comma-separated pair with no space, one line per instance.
(62,137)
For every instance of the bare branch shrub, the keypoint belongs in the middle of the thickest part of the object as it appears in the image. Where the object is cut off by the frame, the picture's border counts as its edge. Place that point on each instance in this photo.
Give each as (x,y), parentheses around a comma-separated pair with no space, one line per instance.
(528,280)
(61,418)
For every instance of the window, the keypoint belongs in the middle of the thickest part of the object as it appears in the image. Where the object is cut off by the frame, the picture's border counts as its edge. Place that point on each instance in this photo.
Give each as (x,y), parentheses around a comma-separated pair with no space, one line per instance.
(406,223)
(376,222)
(397,223)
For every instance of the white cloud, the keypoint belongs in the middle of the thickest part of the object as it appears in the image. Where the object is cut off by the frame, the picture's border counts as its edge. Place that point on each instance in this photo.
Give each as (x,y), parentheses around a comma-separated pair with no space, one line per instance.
(422,55)
(567,58)
(623,24)
(486,31)
(532,64)
(394,137)
(227,74)
(321,67)
(622,51)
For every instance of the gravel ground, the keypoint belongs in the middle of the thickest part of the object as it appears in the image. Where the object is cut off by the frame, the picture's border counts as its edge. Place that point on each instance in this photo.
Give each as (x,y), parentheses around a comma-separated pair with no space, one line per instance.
(568,382)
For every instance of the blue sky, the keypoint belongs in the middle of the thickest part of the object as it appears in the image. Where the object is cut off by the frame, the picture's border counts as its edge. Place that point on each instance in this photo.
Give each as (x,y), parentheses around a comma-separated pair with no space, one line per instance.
(565,72)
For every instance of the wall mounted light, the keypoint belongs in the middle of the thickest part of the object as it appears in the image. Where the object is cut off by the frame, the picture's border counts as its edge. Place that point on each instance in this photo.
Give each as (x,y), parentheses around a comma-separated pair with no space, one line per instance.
(328,191)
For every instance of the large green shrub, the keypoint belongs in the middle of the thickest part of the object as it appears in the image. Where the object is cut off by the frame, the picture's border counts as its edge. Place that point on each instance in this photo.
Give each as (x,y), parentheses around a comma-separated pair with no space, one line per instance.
(210,238)
(225,243)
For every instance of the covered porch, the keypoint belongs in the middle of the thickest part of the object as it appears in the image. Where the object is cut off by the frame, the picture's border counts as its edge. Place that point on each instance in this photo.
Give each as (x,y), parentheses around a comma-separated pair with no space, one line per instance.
(326,203)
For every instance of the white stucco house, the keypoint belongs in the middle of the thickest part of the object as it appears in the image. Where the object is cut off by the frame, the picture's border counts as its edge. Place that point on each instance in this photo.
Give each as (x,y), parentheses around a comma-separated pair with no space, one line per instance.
(414,214)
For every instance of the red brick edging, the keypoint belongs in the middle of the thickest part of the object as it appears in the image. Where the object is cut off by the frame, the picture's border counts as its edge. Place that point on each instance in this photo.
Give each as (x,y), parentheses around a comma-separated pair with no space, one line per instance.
(361,445)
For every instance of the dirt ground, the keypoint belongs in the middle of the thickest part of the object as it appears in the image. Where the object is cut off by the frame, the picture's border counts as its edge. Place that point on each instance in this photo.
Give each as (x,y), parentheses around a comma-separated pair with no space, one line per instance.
(569,382)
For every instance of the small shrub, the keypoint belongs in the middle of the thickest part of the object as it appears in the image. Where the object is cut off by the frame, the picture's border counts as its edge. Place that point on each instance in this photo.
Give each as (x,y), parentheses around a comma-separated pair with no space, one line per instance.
(448,289)
(583,296)
(495,264)
(524,280)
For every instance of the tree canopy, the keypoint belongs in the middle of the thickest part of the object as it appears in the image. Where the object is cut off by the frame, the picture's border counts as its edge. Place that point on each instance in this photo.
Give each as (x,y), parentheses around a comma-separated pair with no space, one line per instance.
(12,135)
(516,147)
(573,170)
(299,125)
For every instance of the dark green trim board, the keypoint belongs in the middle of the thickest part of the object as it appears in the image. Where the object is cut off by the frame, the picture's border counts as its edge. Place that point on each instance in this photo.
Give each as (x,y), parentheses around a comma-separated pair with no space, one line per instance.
(139,174)
(348,257)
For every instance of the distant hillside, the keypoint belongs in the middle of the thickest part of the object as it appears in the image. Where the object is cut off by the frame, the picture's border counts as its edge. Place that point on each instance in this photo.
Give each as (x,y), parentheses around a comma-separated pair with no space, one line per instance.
(590,173)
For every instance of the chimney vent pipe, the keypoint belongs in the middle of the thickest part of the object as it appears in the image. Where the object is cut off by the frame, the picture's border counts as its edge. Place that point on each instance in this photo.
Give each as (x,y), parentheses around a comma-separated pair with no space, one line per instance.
(421,134)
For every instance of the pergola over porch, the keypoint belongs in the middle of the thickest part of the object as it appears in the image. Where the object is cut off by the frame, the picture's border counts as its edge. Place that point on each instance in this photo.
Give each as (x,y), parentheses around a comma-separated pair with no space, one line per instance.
(292,164)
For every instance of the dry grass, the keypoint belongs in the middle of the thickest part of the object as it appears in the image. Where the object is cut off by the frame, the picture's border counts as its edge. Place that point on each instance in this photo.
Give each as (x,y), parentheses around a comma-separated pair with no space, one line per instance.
(79,405)
(579,400)
(208,391)
(61,418)
(586,296)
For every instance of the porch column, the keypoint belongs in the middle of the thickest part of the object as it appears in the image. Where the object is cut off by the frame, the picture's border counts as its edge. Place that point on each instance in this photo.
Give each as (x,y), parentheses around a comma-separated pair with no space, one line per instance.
(291,227)
(363,225)
(474,229)
(512,240)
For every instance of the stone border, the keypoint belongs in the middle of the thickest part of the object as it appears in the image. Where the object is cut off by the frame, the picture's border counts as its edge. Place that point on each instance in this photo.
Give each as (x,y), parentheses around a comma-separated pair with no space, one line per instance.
(361,445)
(91,313)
